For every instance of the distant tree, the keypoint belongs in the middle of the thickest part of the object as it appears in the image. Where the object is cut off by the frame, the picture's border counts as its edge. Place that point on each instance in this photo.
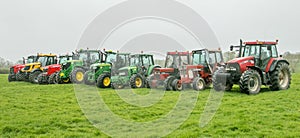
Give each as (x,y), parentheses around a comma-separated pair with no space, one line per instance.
(293,59)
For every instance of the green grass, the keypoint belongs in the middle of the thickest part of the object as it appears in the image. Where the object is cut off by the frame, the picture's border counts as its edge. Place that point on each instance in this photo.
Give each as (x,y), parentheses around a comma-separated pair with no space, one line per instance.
(28,110)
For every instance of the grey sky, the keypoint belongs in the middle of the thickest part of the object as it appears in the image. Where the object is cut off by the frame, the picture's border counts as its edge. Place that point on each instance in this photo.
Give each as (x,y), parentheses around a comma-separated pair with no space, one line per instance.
(31,26)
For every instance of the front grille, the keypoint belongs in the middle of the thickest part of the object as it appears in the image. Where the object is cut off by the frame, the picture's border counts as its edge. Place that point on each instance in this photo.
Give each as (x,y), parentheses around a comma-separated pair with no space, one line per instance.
(11,71)
(27,68)
(66,66)
(234,65)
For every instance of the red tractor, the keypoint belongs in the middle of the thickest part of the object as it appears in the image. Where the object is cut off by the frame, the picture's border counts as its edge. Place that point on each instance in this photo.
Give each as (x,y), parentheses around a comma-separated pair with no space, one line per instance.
(199,74)
(16,68)
(258,64)
(49,73)
(173,61)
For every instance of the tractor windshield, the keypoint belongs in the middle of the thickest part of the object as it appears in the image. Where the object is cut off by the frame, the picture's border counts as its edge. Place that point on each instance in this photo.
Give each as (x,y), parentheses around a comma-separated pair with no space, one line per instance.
(31,59)
(174,61)
(92,56)
(199,58)
(111,58)
(64,59)
(252,50)
(45,61)
(121,61)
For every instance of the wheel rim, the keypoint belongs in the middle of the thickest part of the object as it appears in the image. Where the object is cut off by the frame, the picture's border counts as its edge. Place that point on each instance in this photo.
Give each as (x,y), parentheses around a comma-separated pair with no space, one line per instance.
(79,76)
(179,86)
(253,83)
(200,84)
(138,82)
(283,78)
(66,80)
(106,81)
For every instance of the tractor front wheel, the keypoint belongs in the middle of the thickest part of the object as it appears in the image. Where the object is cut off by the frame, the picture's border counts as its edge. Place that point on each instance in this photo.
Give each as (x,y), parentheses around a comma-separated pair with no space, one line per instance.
(33,77)
(41,79)
(11,78)
(218,85)
(104,81)
(88,81)
(281,77)
(176,85)
(199,84)
(77,76)
(136,81)
(250,82)
(20,76)
(168,83)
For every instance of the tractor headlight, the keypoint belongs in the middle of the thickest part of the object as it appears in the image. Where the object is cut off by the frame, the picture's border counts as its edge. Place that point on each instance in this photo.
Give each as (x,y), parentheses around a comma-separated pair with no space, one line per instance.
(231,69)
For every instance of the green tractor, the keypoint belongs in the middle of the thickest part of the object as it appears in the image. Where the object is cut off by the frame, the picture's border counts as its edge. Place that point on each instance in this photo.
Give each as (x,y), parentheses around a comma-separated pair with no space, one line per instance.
(74,70)
(141,66)
(100,73)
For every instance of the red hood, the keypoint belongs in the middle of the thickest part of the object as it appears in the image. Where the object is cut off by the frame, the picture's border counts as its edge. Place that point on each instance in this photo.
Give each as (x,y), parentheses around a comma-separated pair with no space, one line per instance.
(54,66)
(239,60)
(164,69)
(19,66)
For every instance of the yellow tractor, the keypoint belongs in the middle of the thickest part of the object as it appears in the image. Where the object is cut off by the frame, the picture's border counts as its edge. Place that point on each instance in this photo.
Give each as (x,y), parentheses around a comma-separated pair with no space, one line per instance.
(31,71)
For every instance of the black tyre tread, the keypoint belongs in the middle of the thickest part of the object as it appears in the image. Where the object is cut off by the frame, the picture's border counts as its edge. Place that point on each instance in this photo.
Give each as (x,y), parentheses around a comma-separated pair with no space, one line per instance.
(20,76)
(243,83)
(41,79)
(174,85)
(86,79)
(275,86)
(217,86)
(100,81)
(58,79)
(168,83)
(10,78)
(132,81)
(52,79)
(73,76)
(34,75)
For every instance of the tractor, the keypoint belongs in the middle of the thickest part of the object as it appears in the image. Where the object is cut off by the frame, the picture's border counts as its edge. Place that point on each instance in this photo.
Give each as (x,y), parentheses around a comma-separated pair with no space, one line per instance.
(100,73)
(173,61)
(258,64)
(49,74)
(31,71)
(141,66)
(16,68)
(74,70)
(199,74)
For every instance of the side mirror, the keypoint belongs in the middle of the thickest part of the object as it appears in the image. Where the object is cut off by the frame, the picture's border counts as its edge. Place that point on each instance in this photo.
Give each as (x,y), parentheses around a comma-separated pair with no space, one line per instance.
(231,48)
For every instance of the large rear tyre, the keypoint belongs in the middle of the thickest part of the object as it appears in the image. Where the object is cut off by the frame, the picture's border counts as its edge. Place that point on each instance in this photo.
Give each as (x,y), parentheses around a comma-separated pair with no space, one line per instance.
(33,77)
(77,76)
(87,80)
(104,81)
(42,79)
(168,83)
(250,82)
(199,84)
(136,81)
(281,77)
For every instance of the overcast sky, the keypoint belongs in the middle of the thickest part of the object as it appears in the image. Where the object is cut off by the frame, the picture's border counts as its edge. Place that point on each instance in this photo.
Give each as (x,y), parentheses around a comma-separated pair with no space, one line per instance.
(31,26)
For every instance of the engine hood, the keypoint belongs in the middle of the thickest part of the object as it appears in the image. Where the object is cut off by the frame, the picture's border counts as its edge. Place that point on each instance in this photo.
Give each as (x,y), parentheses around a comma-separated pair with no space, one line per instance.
(32,64)
(164,69)
(54,66)
(128,68)
(240,60)
(18,66)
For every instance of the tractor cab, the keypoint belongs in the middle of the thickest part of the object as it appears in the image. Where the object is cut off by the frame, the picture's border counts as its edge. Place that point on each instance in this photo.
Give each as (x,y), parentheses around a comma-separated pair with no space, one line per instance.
(142,62)
(257,64)
(209,59)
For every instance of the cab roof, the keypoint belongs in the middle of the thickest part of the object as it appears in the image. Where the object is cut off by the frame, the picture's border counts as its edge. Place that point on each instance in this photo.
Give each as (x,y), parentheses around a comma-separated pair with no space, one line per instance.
(261,43)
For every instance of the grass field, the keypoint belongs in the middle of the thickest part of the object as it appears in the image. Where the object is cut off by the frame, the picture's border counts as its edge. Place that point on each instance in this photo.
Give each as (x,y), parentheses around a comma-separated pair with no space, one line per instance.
(29,110)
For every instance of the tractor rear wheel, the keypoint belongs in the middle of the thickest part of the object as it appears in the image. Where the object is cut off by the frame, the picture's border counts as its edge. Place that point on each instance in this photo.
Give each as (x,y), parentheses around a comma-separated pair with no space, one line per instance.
(176,85)
(33,77)
(218,85)
(168,83)
(88,81)
(77,76)
(199,84)
(20,76)
(52,79)
(281,77)
(136,81)
(250,82)
(11,78)
(104,81)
